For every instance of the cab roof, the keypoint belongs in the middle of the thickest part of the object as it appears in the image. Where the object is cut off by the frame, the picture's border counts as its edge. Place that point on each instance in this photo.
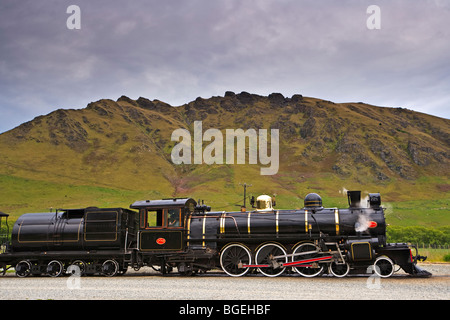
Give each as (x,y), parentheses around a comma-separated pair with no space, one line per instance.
(163,203)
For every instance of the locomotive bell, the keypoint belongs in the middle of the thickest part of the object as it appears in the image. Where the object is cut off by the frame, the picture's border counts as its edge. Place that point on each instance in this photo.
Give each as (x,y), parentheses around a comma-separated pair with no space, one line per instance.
(313,201)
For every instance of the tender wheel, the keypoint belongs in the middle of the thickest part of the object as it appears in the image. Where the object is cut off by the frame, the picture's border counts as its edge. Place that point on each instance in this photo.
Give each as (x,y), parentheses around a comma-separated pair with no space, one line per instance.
(266,254)
(55,268)
(339,270)
(23,268)
(110,268)
(232,257)
(384,267)
(311,270)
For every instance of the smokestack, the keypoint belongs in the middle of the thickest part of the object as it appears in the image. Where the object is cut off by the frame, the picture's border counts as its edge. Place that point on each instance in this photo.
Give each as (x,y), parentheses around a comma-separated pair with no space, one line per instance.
(354,199)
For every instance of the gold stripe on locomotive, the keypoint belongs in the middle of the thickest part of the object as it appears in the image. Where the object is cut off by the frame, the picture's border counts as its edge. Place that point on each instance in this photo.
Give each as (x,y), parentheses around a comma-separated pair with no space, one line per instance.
(222,223)
(306,221)
(276,221)
(336,219)
(204,229)
(188,230)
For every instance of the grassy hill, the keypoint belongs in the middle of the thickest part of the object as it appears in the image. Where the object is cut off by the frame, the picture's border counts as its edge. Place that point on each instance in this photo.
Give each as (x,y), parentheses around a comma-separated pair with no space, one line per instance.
(114,152)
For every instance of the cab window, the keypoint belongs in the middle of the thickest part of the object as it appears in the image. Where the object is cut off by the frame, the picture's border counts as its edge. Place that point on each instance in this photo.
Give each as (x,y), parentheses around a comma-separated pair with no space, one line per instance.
(173,217)
(155,218)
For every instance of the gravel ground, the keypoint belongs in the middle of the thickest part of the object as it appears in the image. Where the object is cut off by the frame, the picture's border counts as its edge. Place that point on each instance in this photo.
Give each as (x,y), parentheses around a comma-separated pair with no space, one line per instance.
(146,284)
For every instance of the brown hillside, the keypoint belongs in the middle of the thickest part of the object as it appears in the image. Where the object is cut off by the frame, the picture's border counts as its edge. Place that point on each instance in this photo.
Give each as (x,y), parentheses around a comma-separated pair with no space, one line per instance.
(126,145)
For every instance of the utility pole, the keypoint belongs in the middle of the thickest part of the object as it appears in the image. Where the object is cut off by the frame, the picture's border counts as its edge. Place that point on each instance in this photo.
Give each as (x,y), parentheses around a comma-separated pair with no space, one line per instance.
(245,193)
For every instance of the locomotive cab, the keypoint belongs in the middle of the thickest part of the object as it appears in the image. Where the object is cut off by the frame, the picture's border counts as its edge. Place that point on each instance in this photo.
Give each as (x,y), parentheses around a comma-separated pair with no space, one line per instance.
(162,223)
(4,233)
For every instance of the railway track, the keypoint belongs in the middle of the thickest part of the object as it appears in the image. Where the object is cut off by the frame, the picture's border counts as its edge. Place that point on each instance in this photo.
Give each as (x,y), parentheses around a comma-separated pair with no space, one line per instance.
(215,285)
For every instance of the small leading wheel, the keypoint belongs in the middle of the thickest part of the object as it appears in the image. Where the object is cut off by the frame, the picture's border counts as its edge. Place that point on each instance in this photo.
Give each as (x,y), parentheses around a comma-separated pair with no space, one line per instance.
(233,257)
(308,271)
(110,268)
(23,268)
(266,255)
(384,267)
(55,268)
(339,270)
(78,268)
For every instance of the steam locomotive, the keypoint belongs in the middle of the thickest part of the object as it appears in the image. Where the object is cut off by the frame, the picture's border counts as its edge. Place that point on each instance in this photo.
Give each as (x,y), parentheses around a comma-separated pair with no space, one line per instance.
(184,234)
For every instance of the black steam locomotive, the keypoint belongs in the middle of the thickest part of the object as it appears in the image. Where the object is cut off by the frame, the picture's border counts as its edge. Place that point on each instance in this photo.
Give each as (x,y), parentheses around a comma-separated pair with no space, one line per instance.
(181,233)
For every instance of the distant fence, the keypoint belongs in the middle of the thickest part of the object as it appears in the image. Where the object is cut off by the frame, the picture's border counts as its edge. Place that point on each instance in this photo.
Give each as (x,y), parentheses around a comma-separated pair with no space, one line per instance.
(432,246)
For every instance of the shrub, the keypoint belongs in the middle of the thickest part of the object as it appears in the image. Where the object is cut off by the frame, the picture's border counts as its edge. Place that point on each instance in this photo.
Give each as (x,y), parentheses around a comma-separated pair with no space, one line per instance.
(419,234)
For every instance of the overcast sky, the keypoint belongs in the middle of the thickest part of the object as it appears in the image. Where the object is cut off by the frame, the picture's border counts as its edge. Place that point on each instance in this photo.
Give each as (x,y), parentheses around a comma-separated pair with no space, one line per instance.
(178,50)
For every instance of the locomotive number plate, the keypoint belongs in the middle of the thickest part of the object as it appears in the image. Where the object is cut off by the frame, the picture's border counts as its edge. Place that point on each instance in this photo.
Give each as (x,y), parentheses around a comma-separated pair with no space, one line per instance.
(160,241)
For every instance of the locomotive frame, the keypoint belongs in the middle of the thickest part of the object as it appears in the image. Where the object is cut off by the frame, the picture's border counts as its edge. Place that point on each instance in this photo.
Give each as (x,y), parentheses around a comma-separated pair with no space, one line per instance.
(180,233)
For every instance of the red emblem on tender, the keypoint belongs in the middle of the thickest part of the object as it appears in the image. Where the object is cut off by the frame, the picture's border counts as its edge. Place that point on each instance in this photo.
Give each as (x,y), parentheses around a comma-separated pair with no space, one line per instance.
(160,241)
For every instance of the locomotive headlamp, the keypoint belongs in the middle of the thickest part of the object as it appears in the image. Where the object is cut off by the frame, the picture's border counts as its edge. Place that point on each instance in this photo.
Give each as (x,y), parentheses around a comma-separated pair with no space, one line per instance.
(374,200)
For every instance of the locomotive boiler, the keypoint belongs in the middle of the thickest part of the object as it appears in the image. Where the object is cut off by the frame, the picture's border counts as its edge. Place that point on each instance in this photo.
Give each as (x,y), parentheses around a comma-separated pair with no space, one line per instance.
(311,241)
(183,234)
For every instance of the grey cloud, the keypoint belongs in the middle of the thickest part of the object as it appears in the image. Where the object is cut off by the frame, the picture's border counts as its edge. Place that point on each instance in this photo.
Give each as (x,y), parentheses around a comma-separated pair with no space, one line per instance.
(178,50)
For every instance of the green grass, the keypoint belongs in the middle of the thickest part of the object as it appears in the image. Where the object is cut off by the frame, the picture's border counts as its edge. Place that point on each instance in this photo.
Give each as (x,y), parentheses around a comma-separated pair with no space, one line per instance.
(19,195)
(434,255)
(431,213)
(218,186)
